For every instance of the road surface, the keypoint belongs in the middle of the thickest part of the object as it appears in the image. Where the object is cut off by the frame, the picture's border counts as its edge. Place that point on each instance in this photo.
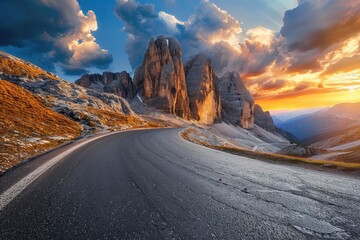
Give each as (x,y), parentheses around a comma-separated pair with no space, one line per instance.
(152,184)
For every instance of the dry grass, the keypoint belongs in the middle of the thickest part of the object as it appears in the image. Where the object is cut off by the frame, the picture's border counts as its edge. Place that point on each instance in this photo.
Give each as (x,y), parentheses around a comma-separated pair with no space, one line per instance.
(186,134)
(117,121)
(20,69)
(27,127)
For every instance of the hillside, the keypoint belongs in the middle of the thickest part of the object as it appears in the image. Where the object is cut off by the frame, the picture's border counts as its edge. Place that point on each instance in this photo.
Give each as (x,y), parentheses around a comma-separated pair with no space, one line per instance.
(342,146)
(40,111)
(323,124)
(11,66)
(82,105)
(27,127)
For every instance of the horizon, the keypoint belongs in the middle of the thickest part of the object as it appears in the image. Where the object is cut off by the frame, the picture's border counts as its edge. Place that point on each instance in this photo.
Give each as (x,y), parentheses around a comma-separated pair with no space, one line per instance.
(313,66)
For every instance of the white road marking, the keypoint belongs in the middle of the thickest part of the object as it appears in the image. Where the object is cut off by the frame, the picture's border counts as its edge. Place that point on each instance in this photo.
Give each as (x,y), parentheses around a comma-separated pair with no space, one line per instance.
(7,196)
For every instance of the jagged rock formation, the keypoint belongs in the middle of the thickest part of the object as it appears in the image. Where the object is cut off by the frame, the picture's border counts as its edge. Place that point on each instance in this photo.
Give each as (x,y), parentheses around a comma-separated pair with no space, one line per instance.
(236,101)
(161,80)
(203,94)
(117,83)
(263,119)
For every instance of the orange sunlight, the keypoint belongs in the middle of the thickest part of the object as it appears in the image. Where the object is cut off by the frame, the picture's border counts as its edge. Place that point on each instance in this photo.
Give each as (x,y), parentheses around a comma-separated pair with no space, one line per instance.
(349,95)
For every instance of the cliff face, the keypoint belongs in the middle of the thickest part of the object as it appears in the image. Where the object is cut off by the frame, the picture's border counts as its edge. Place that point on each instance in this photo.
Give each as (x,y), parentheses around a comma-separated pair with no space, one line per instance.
(117,83)
(204,98)
(237,102)
(263,119)
(161,79)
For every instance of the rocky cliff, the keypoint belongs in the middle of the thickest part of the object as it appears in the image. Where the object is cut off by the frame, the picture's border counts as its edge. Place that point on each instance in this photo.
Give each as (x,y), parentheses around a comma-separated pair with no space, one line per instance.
(160,79)
(203,94)
(117,83)
(263,119)
(236,101)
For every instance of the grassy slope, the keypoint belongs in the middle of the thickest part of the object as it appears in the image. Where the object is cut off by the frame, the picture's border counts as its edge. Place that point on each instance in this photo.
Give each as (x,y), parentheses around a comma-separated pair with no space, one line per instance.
(186,134)
(20,69)
(27,127)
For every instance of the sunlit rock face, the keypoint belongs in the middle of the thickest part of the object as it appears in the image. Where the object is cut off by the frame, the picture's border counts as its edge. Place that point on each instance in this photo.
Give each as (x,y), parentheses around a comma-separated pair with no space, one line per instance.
(236,101)
(160,79)
(263,119)
(203,94)
(117,83)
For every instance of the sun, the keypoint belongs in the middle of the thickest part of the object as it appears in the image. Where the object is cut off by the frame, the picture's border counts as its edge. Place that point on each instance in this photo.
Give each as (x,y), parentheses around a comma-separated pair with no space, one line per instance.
(352,89)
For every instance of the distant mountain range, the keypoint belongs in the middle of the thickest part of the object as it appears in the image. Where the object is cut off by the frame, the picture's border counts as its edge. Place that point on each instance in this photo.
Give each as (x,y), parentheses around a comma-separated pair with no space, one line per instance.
(310,128)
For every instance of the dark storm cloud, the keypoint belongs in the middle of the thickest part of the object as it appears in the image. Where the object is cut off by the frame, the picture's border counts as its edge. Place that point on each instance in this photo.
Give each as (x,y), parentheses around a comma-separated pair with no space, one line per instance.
(315,28)
(320,24)
(141,24)
(56,31)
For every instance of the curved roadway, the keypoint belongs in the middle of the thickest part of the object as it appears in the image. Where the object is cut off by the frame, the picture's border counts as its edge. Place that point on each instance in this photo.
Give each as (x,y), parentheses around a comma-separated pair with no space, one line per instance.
(152,184)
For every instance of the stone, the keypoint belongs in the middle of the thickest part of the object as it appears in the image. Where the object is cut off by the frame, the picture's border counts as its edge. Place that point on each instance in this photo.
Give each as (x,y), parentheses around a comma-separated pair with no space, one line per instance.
(204,98)
(119,84)
(263,119)
(236,101)
(160,79)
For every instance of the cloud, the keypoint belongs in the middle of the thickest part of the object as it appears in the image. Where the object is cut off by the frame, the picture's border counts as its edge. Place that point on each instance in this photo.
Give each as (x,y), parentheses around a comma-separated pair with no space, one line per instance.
(210,24)
(302,86)
(56,31)
(252,57)
(272,84)
(141,23)
(346,64)
(207,26)
(320,24)
(316,28)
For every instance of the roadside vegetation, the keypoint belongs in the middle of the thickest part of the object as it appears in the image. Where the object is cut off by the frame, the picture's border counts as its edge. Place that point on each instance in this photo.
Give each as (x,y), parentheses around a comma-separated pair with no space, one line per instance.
(27,127)
(21,69)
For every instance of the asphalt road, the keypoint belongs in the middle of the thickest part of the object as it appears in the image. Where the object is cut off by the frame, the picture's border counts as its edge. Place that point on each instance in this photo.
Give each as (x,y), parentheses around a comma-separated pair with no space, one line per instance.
(152,184)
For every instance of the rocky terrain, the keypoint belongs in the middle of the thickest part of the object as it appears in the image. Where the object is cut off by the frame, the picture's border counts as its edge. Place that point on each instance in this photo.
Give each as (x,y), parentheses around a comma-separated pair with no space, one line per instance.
(28,127)
(93,109)
(40,111)
(204,97)
(341,146)
(237,102)
(263,119)
(119,84)
(161,79)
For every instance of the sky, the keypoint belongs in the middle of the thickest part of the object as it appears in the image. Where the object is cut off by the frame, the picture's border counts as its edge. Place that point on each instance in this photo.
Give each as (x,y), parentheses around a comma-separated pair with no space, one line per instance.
(291,54)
